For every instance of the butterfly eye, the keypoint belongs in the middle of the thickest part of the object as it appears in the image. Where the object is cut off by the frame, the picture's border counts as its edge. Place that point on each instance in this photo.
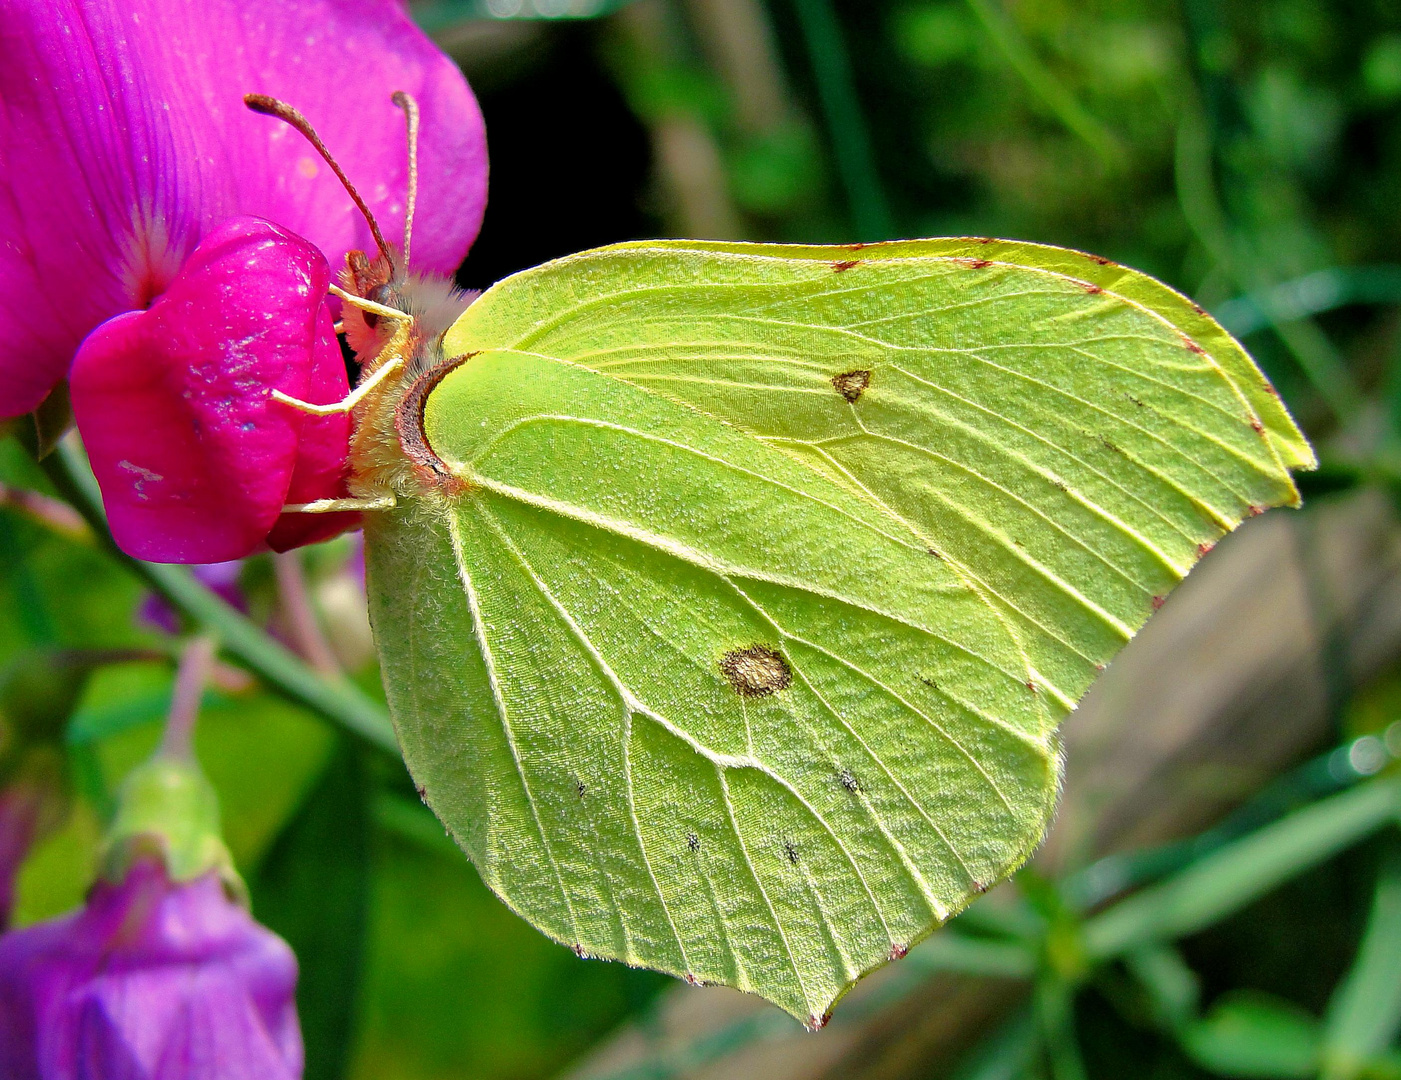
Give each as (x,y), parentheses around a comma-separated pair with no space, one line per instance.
(380,294)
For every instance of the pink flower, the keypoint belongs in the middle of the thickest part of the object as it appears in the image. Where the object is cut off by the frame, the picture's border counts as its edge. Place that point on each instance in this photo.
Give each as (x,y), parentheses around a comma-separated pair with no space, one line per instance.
(153,979)
(185,243)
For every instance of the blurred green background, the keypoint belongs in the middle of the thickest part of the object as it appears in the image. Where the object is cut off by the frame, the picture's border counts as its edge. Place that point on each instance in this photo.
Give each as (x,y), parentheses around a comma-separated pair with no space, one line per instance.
(1248,152)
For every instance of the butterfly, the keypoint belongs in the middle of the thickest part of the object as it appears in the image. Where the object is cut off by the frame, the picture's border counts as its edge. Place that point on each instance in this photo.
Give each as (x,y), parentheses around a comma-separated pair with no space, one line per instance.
(729,596)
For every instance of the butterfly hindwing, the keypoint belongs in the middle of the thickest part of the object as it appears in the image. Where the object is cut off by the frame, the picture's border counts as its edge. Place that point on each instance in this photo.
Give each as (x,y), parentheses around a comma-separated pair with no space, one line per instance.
(735,724)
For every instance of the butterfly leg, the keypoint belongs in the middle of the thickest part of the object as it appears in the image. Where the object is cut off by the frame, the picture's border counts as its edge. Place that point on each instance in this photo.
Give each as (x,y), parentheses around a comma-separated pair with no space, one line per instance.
(333,506)
(349,401)
(382,310)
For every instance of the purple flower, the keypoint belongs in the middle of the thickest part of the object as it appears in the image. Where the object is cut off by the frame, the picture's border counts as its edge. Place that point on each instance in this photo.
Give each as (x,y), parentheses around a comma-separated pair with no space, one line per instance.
(152,980)
(185,243)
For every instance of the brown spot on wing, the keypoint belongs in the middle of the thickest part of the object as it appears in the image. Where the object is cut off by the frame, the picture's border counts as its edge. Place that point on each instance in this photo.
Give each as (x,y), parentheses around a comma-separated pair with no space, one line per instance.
(846,264)
(852,384)
(757,671)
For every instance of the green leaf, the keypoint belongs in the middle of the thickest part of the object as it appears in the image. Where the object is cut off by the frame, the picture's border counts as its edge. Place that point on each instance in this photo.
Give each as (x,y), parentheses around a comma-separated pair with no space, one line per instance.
(1254,1035)
(1174,991)
(1008,1054)
(456,987)
(1365,1012)
(742,652)
(313,889)
(1235,875)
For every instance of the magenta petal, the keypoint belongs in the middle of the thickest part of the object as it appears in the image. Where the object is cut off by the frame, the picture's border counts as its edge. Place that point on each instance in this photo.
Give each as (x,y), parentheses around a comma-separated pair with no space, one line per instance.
(152,980)
(193,455)
(124,141)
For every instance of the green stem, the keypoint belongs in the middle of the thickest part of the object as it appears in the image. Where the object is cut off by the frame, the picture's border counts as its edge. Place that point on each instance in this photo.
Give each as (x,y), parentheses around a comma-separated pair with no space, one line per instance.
(1055,1004)
(1043,83)
(1201,205)
(337,700)
(846,124)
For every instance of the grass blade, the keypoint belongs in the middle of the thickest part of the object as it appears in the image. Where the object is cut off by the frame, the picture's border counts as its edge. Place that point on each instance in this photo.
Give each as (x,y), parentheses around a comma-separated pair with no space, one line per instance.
(1236,875)
(1365,1012)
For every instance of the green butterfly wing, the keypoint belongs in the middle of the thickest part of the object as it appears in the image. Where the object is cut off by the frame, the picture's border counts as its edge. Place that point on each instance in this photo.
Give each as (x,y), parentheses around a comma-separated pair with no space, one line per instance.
(742,655)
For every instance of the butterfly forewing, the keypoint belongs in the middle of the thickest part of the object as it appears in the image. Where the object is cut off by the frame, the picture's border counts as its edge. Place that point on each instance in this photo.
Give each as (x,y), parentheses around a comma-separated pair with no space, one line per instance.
(1072,446)
(741,653)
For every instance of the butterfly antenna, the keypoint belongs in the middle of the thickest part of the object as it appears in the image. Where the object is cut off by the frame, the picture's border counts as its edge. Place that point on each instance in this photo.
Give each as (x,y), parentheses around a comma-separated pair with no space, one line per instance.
(410,107)
(271,106)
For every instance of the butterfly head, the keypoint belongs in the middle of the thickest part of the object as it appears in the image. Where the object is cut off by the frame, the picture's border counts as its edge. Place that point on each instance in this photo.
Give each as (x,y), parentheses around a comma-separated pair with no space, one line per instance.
(390,315)
(431,302)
